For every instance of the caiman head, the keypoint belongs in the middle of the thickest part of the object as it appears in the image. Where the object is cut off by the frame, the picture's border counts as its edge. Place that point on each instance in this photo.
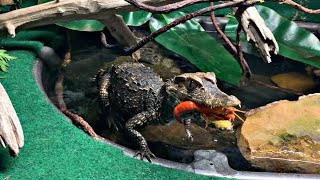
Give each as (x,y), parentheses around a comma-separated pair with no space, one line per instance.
(201,88)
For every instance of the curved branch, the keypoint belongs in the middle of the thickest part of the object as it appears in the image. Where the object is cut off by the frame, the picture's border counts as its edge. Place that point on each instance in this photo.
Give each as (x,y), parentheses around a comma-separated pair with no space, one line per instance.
(184,3)
(223,36)
(75,118)
(246,72)
(298,6)
(165,8)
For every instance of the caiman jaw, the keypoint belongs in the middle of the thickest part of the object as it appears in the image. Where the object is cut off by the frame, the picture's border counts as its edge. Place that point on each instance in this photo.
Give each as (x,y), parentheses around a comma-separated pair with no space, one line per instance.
(218,100)
(222,107)
(201,93)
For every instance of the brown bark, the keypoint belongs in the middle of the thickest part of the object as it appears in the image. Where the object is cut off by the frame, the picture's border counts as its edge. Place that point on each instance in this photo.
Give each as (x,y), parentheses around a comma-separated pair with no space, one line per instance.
(6,2)
(11,133)
(257,32)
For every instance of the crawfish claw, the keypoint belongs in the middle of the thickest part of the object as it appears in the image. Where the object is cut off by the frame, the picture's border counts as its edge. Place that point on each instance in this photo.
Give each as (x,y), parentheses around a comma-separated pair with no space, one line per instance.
(145,153)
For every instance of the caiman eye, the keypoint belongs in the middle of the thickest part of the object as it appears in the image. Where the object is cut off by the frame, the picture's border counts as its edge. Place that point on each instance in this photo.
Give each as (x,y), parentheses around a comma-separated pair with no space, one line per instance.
(191,84)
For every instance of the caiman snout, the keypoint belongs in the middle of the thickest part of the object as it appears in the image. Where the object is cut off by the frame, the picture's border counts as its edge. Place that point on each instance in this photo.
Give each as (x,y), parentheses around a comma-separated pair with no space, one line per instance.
(232,101)
(220,99)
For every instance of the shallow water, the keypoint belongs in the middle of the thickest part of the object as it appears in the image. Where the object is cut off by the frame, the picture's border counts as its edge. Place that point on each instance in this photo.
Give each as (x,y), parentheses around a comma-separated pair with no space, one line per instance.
(80,95)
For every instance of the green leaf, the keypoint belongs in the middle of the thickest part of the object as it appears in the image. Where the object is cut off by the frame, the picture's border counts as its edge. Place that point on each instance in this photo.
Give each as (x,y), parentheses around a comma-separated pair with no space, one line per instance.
(3,68)
(3,63)
(83,25)
(44,1)
(294,42)
(136,18)
(192,42)
(4,58)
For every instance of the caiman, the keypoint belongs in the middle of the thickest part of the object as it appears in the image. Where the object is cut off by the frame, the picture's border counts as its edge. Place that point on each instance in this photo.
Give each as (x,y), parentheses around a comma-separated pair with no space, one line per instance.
(136,96)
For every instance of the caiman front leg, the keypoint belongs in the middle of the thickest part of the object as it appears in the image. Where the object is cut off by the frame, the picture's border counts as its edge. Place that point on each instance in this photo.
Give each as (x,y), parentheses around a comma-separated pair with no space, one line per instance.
(103,80)
(103,84)
(130,129)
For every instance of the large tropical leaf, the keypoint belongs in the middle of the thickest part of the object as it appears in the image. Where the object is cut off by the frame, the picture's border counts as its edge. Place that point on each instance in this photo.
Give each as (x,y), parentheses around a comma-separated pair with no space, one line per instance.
(83,25)
(192,42)
(136,18)
(294,42)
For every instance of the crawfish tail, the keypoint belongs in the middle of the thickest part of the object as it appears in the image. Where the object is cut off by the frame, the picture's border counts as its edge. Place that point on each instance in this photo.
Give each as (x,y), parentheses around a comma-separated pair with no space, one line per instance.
(183,107)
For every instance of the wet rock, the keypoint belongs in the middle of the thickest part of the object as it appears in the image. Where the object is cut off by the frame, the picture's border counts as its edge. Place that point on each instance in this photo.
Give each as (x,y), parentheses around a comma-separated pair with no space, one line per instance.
(169,142)
(174,134)
(211,162)
(283,136)
(294,81)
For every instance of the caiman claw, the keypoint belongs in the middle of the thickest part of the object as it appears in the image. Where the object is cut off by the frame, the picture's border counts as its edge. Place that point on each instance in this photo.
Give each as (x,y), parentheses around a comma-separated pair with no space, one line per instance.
(145,153)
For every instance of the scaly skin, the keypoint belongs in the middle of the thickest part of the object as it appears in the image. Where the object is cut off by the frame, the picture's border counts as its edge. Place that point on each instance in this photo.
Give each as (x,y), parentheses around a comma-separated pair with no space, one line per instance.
(137,96)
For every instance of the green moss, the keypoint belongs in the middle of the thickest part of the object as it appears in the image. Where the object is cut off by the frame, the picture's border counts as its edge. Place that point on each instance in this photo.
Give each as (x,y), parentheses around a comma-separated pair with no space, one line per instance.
(286,137)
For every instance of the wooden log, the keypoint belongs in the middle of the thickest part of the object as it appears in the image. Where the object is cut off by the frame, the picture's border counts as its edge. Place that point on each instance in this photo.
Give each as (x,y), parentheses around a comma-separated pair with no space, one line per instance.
(257,33)
(6,2)
(66,10)
(11,133)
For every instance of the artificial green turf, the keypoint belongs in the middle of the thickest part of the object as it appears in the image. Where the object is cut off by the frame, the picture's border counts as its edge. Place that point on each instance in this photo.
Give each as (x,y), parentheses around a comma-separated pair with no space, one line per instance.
(54,148)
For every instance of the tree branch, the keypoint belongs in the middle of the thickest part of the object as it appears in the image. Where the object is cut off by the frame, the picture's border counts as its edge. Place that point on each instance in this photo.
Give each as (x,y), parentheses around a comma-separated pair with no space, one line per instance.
(165,8)
(246,72)
(298,6)
(67,10)
(76,119)
(221,33)
(184,19)
(178,5)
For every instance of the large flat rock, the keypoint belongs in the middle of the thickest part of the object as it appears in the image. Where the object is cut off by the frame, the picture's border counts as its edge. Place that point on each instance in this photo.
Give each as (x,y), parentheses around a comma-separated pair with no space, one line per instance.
(283,136)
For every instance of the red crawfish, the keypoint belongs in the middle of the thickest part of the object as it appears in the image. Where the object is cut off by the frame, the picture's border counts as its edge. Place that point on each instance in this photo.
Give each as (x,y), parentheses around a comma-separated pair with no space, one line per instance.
(220,113)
